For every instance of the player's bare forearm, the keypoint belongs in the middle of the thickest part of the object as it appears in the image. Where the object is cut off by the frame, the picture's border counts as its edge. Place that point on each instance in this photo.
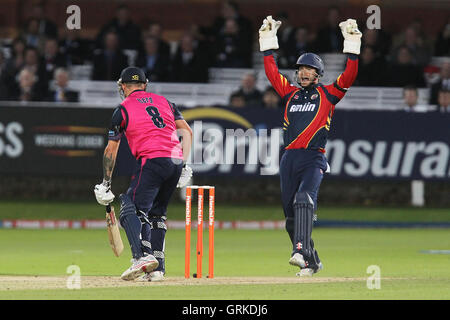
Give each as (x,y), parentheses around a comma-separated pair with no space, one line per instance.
(186,134)
(109,159)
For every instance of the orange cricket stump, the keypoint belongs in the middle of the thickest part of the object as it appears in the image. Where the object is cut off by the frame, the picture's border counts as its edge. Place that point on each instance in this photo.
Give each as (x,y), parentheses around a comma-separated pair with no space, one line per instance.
(200,232)
(211,232)
(187,250)
(199,246)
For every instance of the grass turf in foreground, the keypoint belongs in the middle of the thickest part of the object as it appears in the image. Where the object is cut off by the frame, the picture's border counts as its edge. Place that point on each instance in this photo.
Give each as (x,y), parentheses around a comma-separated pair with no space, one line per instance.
(345,253)
(357,290)
(224,212)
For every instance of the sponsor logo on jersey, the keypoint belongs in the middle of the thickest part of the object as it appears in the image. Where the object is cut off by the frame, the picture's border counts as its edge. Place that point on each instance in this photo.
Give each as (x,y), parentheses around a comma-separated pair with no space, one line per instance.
(314,96)
(303,107)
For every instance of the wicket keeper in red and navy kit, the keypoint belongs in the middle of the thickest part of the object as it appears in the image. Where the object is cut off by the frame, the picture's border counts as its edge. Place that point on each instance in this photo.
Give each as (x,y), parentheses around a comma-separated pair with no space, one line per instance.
(309,109)
(149,123)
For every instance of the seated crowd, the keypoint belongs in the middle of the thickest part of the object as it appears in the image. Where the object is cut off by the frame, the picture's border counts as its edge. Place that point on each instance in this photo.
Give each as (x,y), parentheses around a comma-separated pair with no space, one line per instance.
(37,65)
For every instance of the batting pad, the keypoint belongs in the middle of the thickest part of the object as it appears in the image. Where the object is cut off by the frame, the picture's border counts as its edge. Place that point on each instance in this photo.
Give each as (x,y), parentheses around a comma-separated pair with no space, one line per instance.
(303,222)
(132,225)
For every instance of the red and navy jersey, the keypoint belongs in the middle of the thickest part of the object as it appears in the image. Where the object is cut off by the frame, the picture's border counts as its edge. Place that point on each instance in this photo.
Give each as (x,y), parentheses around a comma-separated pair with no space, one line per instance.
(308,111)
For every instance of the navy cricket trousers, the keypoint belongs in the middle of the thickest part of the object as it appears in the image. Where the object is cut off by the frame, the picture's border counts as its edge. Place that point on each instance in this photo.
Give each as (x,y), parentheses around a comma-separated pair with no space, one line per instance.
(301,170)
(153,184)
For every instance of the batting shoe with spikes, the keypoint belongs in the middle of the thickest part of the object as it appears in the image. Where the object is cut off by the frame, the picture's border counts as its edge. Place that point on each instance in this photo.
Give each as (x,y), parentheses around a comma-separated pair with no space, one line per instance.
(308,272)
(297,260)
(154,276)
(146,263)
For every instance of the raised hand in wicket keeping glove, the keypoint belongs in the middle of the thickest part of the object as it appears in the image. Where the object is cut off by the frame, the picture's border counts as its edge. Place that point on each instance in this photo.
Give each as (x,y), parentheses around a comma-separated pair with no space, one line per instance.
(352,36)
(186,175)
(268,34)
(103,193)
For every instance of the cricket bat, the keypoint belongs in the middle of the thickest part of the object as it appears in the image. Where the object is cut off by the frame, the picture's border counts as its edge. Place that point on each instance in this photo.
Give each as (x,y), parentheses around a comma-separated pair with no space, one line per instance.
(113,231)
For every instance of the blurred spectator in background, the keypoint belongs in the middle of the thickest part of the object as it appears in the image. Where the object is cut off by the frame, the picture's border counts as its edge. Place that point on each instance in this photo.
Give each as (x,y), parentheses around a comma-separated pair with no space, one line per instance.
(74,47)
(237,100)
(271,99)
(27,86)
(404,72)
(371,68)
(52,57)
(31,34)
(155,30)
(189,63)
(128,32)
(221,28)
(248,90)
(33,62)
(46,27)
(442,44)
(5,77)
(286,31)
(231,47)
(154,64)
(202,43)
(109,62)
(442,83)
(379,40)
(17,58)
(443,104)
(420,53)
(411,98)
(329,37)
(61,93)
(296,46)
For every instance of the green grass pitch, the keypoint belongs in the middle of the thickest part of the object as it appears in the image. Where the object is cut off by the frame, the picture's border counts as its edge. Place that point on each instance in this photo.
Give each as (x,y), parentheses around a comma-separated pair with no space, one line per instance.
(249,264)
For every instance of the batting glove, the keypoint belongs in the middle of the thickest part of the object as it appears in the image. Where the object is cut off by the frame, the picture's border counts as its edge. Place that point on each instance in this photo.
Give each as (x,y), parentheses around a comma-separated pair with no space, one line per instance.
(186,175)
(268,34)
(103,193)
(352,36)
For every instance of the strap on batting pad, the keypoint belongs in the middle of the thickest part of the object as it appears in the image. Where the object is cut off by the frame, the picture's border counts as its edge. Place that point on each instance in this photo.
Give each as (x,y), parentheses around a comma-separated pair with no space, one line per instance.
(132,224)
(155,233)
(303,216)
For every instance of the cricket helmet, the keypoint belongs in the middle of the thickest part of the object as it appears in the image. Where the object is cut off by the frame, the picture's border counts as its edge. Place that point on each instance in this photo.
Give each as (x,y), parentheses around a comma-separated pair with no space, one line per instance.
(311,60)
(132,75)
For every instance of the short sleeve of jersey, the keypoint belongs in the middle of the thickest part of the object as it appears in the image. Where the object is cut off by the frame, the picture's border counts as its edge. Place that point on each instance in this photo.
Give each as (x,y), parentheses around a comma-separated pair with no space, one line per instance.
(117,125)
(176,112)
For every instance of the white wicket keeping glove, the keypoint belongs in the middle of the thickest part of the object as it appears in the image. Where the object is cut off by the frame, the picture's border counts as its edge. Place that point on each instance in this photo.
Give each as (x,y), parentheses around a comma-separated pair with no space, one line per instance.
(103,193)
(352,36)
(268,34)
(186,175)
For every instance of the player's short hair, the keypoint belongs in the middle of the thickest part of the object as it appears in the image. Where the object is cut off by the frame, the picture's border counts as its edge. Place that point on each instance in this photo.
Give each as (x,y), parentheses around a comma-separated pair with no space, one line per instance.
(59,71)
(26,70)
(409,88)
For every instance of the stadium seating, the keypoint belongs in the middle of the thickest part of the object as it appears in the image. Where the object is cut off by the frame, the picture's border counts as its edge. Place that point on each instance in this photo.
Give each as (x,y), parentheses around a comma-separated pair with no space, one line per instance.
(223,81)
(105,93)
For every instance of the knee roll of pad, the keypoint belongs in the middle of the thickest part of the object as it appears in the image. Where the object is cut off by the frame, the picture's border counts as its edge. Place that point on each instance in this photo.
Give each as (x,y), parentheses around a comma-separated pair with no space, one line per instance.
(158,222)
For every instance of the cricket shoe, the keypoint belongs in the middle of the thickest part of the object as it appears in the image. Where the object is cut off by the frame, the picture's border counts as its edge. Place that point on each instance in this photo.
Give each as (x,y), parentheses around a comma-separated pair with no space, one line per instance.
(308,272)
(146,263)
(297,260)
(154,276)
